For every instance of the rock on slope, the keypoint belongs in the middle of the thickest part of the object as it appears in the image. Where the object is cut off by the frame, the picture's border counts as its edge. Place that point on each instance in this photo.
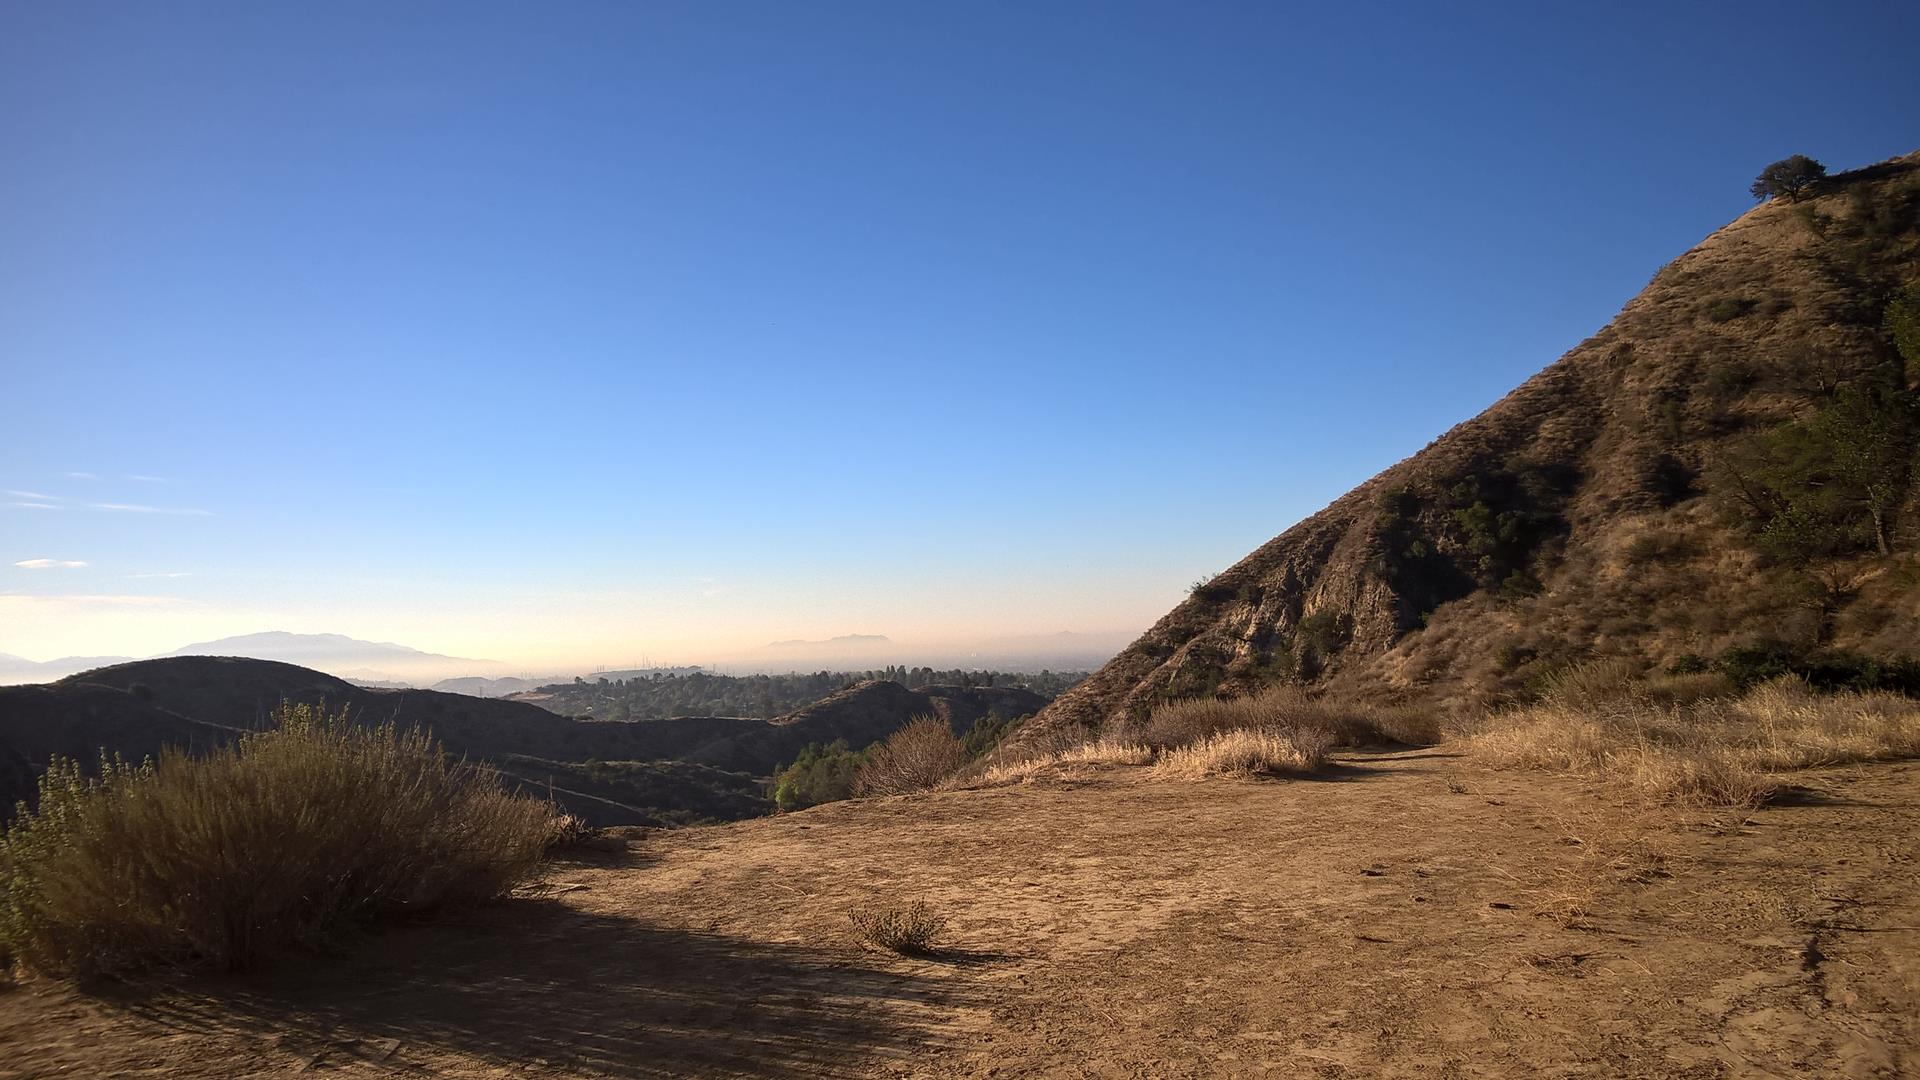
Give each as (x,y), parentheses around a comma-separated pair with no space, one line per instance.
(1573,518)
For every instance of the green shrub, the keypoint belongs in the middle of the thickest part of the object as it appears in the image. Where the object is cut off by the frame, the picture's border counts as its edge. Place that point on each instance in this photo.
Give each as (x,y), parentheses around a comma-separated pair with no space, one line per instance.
(1826,670)
(1727,308)
(282,840)
(1688,664)
(821,774)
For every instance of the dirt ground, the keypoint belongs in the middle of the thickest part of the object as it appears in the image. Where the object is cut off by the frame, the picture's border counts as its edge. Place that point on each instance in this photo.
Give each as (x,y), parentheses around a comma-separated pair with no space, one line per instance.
(1410,915)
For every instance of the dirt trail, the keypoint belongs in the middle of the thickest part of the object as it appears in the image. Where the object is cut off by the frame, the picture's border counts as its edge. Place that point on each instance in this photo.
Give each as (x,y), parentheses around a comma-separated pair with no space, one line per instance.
(1412,915)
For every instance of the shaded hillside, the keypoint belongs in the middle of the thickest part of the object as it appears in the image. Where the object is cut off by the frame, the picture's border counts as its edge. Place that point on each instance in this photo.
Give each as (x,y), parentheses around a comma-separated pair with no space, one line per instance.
(642,772)
(1610,506)
(860,715)
(39,722)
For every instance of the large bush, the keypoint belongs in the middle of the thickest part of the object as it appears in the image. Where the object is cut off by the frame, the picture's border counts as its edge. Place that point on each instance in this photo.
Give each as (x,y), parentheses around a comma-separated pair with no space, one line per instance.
(820,774)
(282,840)
(914,758)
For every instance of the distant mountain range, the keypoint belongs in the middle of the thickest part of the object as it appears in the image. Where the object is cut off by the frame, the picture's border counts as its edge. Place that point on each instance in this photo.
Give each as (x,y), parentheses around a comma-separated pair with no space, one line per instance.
(336,654)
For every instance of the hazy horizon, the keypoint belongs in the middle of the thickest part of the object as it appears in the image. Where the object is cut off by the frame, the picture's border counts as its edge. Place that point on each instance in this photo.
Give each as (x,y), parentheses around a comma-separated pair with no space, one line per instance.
(569,336)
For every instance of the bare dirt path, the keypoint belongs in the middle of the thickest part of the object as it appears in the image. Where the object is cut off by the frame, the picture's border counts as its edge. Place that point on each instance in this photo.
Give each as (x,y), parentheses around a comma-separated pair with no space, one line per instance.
(1412,915)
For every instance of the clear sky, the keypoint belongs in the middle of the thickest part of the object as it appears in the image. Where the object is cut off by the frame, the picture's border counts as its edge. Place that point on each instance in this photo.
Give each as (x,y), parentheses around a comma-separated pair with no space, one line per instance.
(568,333)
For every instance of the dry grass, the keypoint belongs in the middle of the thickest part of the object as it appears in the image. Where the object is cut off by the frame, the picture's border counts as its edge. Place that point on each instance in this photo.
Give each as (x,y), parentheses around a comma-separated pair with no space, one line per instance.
(280,841)
(915,758)
(913,930)
(1277,731)
(1714,751)
(1289,708)
(1100,754)
(1243,752)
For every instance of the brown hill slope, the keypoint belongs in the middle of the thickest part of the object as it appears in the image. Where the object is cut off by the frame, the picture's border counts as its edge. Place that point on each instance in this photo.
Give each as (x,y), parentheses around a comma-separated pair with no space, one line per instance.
(1583,515)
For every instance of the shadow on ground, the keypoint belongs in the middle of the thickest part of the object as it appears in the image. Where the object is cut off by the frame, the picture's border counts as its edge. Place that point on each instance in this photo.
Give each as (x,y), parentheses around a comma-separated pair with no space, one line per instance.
(534,982)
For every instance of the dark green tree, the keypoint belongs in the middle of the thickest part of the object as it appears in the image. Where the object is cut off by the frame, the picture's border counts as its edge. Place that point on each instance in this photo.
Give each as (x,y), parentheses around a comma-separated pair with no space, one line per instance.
(1788,178)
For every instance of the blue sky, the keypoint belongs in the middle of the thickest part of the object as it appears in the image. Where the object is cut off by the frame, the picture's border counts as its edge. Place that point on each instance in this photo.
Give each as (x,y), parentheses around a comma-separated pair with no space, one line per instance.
(575,332)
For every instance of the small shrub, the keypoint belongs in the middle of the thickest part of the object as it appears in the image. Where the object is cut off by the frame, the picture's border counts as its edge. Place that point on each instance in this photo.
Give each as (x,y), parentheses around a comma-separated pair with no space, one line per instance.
(913,930)
(283,840)
(914,758)
(1727,308)
(1688,664)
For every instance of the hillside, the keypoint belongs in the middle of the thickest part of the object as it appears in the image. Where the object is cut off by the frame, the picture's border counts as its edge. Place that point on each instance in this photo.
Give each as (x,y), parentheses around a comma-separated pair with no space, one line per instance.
(1607,507)
(609,772)
(860,715)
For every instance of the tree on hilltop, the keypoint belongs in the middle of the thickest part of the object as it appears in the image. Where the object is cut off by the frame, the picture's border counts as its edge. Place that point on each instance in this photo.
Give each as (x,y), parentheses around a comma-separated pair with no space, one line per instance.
(1789,178)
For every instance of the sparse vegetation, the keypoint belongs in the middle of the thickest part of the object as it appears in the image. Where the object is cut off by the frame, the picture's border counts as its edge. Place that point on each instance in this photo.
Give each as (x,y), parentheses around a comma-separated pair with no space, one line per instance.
(914,758)
(1248,752)
(281,841)
(1103,752)
(1710,750)
(1288,708)
(913,930)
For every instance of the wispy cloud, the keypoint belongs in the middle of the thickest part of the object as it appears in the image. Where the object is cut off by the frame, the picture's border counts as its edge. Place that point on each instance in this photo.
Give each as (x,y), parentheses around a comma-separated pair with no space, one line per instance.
(173,574)
(140,478)
(33,506)
(34,495)
(50,564)
(136,508)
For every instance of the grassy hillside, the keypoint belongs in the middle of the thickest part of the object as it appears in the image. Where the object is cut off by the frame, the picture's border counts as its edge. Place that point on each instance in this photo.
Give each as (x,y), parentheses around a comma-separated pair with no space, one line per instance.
(1636,499)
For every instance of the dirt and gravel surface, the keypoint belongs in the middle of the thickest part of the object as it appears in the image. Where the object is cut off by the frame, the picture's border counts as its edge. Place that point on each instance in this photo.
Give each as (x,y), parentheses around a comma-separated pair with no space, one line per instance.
(1409,915)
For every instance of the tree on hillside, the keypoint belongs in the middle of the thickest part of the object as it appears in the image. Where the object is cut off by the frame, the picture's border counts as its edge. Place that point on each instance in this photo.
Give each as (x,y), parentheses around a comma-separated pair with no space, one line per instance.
(1831,485)
(1789,178)
(1903,325)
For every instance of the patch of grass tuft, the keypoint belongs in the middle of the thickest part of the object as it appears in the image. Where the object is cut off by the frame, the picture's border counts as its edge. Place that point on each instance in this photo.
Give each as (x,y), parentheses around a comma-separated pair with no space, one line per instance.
(913,930)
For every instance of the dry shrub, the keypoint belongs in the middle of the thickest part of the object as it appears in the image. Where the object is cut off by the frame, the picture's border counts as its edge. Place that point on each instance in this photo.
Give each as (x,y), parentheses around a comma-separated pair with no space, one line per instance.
(1245,752)
(1713,751)
(913,930)
(1289,708)
(1106,752)
(1593,683)
(282,840)
(915,758)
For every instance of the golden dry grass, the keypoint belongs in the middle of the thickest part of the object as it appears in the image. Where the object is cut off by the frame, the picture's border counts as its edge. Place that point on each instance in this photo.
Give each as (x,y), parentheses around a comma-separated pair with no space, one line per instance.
(1248,752)
(1713,751)
(279,841)
(1098,754)
(1290,708)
